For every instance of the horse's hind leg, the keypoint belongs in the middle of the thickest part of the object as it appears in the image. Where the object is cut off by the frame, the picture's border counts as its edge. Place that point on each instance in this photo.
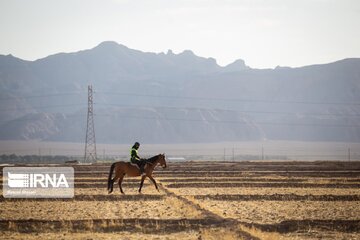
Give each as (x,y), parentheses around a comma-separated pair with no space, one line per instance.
(117,176)
(120,182)
(153,180)
(111,186)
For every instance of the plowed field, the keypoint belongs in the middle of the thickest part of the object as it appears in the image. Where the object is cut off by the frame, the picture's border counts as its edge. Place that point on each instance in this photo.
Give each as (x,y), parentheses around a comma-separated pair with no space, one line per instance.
(199,200)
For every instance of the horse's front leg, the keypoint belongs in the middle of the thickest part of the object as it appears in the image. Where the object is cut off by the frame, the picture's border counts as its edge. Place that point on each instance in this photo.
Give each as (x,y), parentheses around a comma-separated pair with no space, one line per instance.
(153,180)
(141,183)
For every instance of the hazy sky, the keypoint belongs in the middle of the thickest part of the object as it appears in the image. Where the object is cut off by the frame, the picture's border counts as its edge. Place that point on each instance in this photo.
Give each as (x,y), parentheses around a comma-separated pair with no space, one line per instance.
(265,33)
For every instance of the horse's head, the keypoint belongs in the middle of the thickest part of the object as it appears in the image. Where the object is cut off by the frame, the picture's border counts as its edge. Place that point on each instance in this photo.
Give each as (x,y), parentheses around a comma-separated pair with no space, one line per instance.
(162,160)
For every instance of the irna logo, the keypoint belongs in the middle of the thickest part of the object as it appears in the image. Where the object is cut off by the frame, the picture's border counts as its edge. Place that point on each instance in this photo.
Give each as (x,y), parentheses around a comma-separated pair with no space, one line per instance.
(34,180)
(38,182)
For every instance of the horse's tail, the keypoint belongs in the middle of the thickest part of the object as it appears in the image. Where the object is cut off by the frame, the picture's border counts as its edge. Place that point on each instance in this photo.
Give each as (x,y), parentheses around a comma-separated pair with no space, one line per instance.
(110,175)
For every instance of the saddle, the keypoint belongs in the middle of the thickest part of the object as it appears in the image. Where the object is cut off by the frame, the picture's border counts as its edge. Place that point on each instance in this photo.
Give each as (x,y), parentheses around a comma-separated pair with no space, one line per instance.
(135,165)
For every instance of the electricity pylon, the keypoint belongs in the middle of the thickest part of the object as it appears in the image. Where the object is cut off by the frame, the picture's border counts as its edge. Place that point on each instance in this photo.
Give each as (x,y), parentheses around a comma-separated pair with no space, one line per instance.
(90,141)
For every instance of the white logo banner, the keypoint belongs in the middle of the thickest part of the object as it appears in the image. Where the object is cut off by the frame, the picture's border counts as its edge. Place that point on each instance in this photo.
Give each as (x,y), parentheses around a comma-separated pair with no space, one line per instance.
(38,182)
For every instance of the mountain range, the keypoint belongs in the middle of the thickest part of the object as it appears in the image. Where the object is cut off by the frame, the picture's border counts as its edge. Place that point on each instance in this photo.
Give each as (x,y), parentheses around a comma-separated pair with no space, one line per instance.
(175,98)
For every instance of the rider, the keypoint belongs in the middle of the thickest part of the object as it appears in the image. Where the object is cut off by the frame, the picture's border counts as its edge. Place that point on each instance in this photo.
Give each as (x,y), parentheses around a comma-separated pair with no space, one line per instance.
(135,159)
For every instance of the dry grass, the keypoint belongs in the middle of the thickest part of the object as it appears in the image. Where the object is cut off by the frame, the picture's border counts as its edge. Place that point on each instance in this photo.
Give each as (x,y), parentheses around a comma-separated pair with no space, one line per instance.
(206,234)
(277,211)
(187,235)
(114,209)
(263,235)
(218,233)
(266,191)
(57,210)
(148,189)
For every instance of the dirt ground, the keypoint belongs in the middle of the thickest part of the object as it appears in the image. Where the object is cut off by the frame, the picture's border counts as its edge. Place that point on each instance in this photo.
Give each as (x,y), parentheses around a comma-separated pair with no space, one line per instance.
(199,200)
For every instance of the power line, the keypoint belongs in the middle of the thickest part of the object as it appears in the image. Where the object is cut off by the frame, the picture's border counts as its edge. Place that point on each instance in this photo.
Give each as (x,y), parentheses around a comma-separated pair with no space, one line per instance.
(21,119)
(181,108)
(42,107)
(180,97)
(41,96)
(200,120)
(231,110)
(229,99)
(234,122)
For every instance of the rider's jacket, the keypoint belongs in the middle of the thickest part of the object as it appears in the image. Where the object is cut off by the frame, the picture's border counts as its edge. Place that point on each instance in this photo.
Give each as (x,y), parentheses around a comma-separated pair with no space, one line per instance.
(134,155)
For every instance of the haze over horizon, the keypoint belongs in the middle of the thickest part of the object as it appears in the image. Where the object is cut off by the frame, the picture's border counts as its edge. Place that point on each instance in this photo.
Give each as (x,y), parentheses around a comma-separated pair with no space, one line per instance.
(265,34)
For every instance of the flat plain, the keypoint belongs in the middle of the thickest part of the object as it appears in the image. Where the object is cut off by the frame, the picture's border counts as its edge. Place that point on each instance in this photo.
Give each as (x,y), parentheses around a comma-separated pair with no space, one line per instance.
(199,200)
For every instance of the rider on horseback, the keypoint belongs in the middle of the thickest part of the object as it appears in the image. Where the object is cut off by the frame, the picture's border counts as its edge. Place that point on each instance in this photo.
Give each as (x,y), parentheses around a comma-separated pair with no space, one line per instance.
(135,159)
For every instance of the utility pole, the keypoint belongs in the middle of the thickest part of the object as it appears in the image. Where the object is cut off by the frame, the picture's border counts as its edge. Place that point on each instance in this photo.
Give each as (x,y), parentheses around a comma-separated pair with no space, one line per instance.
(90,142)
(349,156)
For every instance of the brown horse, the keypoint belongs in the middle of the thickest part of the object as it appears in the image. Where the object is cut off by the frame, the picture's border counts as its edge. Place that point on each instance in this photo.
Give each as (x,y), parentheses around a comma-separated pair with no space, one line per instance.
(126,168)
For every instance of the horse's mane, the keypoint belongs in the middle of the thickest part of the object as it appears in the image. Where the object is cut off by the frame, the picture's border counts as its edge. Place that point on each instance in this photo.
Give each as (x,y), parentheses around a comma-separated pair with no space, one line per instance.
(153,159)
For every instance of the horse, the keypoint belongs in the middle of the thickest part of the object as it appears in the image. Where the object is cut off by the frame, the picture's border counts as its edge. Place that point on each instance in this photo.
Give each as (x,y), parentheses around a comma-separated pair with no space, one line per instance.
(126,168)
